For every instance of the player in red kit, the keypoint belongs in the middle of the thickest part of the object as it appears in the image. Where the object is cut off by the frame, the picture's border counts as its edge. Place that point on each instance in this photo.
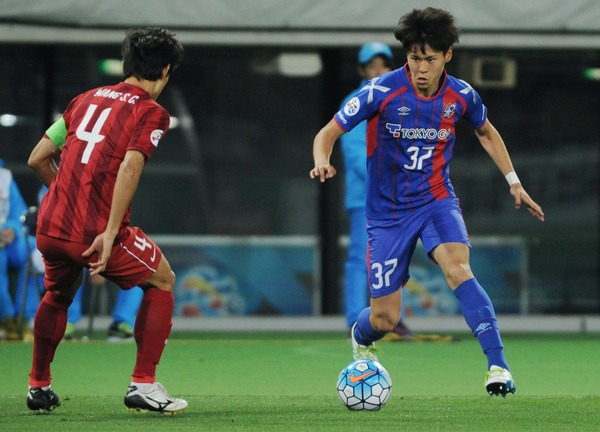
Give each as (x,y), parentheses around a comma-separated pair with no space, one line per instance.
(104,139)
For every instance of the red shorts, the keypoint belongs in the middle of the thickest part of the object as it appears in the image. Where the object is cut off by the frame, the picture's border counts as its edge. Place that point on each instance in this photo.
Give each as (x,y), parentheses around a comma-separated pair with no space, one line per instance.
(133,260)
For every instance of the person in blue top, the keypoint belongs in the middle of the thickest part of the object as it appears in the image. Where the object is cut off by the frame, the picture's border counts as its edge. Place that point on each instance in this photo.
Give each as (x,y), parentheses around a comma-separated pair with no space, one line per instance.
(374,58)
(411,115)
(13,251)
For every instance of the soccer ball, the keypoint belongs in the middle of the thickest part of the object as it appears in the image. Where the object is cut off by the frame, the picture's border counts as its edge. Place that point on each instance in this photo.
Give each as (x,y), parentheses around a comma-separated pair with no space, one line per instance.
(364,385)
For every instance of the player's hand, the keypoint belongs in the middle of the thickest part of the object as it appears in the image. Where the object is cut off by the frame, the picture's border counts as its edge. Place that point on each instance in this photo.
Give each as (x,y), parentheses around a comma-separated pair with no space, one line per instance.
(521,197)
(102,244)
(7,236)
(323,172)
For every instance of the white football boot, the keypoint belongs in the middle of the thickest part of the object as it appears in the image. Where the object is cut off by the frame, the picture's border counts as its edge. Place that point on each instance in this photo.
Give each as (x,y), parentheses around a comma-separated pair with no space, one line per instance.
(363,352)
(155,399)
(499,381)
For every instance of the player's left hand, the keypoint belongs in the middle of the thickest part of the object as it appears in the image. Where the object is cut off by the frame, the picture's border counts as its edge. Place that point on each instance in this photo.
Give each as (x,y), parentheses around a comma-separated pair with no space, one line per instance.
(521,197)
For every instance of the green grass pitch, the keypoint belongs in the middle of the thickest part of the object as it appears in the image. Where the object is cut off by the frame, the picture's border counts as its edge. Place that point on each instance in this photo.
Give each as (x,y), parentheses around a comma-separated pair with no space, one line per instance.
(286,382)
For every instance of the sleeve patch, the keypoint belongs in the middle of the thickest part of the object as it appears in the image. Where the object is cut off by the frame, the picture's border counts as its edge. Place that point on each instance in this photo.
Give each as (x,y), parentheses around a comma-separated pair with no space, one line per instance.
(155,136)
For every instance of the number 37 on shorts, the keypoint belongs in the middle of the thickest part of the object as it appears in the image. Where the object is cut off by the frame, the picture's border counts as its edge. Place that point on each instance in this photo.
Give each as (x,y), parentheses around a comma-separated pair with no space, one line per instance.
(384,278)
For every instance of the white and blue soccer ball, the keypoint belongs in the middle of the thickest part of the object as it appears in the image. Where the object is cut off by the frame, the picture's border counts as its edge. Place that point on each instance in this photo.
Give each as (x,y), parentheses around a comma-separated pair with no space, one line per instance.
(364,385)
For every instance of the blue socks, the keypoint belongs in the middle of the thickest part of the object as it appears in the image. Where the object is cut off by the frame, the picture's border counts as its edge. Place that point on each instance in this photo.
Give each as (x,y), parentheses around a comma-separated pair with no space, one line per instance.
(364,333)
(479,314)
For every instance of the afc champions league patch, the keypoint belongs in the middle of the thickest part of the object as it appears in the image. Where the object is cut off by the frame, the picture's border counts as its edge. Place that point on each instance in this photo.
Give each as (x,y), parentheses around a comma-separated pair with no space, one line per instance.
(352,107)
(155,136)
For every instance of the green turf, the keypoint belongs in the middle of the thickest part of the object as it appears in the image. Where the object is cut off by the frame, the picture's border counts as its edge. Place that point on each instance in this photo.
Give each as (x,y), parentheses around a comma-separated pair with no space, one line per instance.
(269,382)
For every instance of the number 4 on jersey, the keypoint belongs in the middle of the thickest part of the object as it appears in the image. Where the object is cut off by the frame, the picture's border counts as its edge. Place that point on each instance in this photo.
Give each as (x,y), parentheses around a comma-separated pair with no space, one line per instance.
(92,138)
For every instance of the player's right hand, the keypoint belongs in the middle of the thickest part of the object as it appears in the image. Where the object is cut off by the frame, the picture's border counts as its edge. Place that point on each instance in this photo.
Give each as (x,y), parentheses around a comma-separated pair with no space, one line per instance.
(323,172)
(102,244)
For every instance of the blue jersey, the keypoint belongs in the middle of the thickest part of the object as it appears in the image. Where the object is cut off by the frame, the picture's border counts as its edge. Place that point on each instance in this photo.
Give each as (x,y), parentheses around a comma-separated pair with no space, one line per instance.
(410,139)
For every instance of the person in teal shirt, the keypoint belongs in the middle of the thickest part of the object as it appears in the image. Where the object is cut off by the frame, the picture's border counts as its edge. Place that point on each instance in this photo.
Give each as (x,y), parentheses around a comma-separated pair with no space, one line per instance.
(374,58)
(13,251)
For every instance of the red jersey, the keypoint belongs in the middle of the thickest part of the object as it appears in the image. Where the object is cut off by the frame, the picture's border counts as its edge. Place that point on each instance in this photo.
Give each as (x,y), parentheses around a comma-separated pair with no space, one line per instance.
(102,125)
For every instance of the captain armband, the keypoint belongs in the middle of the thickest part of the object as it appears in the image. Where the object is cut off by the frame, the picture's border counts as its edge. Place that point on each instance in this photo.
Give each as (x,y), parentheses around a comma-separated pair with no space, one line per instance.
(58,132)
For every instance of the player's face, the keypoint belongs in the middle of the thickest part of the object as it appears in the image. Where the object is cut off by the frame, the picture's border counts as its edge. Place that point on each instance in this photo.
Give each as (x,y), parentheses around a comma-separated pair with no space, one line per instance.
(374,68)
(426,68)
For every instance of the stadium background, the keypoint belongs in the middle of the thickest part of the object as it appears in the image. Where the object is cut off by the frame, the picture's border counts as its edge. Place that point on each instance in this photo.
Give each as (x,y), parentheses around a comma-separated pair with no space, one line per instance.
(261,77)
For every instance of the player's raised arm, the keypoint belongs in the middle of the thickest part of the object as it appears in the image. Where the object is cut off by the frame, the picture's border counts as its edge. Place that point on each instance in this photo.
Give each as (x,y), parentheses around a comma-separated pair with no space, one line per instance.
(322,148)
(493,144)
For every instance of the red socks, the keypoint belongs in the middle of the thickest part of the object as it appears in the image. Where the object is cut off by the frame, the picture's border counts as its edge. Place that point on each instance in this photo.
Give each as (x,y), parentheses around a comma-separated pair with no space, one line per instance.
(49,329)
(152,329)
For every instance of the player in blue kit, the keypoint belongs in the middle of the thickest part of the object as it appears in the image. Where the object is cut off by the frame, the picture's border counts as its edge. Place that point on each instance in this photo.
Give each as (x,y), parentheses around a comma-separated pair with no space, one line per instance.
(411,114)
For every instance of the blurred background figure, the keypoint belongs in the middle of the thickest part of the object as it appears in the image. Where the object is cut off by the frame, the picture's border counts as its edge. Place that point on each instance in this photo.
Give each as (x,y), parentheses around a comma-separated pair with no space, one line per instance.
(13,251)
(374,59)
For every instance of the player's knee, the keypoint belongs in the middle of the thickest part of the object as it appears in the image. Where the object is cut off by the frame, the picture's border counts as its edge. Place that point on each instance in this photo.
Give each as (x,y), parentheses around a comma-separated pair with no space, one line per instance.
(167,282)
(172,280)
(457,272)
(58,298)
(384,321)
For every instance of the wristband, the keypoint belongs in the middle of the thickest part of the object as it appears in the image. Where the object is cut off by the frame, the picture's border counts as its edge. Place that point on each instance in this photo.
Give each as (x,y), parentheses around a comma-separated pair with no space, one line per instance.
(512,178)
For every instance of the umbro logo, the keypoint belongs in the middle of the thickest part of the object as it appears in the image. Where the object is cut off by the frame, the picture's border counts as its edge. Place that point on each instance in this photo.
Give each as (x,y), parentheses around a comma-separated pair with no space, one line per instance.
(482,328)
(403,111)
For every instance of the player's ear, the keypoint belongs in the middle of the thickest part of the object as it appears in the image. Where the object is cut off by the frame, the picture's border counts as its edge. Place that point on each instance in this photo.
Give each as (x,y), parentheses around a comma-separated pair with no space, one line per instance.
(166,70)
(448,55)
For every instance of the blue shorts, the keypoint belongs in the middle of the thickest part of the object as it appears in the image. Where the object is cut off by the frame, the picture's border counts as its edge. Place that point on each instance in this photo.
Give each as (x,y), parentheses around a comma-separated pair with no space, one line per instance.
(392,242)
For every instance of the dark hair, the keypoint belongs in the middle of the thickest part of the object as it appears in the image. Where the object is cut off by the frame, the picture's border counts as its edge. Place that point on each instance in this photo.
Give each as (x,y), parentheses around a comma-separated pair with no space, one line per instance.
(147,51)
(387,62)
(430,26)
